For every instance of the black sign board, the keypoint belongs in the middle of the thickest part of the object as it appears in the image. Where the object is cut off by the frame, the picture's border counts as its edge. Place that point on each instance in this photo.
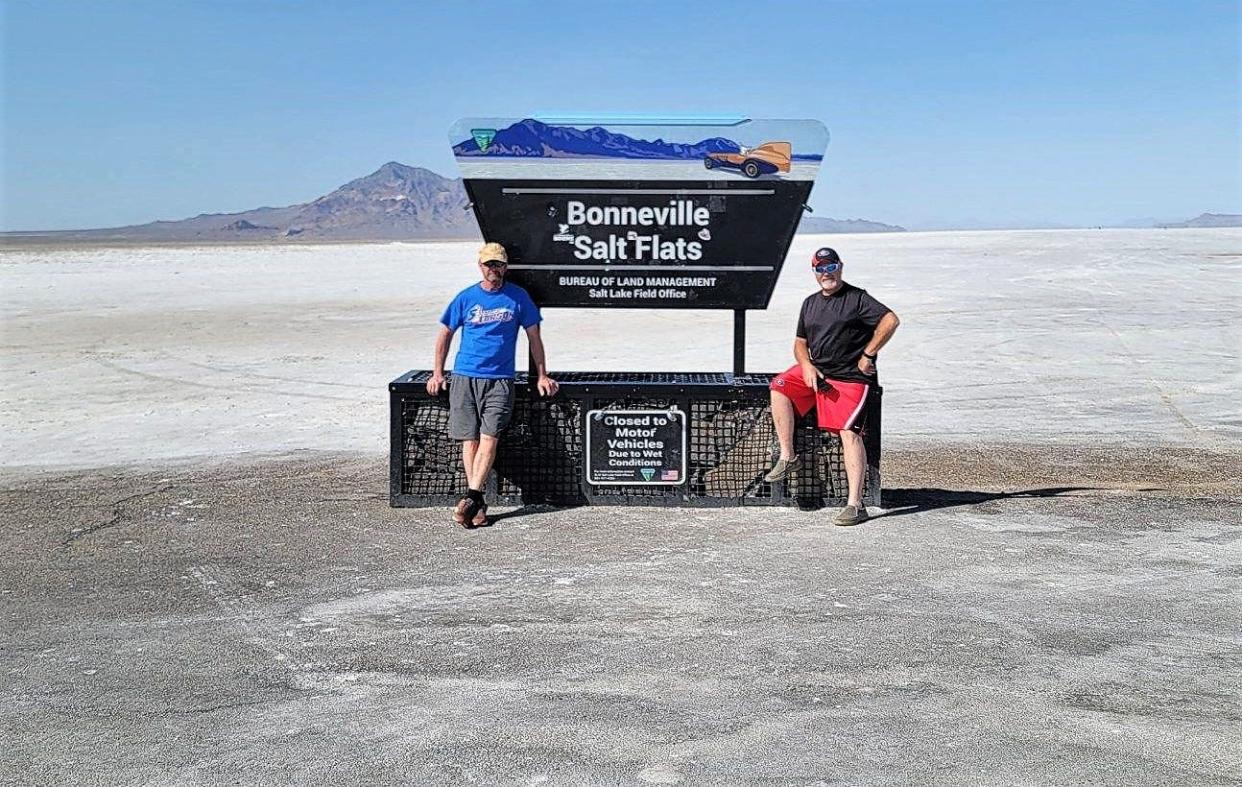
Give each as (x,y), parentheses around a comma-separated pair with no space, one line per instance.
(613,215)
(636,447)
(665,244)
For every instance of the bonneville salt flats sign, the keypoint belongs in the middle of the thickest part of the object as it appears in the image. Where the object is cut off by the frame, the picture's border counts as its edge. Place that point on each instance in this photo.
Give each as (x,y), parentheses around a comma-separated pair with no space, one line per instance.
(647,213)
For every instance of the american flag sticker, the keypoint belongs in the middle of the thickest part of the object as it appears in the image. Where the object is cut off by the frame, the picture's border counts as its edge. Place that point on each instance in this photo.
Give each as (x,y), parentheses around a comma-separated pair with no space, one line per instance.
(669,475)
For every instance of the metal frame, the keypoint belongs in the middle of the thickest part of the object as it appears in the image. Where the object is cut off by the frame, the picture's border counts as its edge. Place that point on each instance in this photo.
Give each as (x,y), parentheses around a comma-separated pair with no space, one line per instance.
(588,391)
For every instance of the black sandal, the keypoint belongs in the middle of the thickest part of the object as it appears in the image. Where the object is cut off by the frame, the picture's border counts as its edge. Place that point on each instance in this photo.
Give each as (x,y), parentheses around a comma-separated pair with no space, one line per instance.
(464,512)
(480,517)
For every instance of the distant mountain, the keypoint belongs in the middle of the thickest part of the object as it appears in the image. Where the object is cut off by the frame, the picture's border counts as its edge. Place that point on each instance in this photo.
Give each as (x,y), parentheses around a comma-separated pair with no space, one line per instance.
(813,225)
(531,138)
(396,202)
(1208,220)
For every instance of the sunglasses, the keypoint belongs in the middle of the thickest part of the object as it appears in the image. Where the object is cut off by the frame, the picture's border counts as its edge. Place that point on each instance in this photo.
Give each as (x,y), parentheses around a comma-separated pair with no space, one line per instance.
(495,265)
(828,267)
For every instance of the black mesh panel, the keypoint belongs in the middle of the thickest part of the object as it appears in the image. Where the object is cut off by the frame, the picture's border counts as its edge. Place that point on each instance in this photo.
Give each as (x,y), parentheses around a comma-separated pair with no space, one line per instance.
(731,443)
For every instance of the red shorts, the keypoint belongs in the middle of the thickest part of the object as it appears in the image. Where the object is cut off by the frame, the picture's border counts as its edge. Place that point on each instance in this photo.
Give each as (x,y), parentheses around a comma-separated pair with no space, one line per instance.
(838,404)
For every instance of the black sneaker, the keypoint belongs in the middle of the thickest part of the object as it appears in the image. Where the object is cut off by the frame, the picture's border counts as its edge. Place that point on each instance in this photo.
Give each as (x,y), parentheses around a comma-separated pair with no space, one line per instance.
(783,467)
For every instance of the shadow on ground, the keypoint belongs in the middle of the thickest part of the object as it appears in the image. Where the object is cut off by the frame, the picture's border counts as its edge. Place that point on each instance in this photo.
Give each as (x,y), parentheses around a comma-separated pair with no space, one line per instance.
(896,502)
(526,510)
(899,502)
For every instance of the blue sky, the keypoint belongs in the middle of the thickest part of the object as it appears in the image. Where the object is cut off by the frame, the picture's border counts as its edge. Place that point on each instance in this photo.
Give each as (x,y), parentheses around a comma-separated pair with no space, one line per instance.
(941,113)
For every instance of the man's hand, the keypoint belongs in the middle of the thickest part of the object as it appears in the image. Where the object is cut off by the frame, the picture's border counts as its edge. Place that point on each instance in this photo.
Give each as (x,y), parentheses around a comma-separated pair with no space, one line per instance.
(436,384)
(811,376)
(547,386)
(866,365)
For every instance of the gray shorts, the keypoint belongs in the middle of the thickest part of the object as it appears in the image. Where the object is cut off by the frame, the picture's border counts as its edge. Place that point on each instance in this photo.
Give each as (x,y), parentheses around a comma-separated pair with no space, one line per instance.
(478,405)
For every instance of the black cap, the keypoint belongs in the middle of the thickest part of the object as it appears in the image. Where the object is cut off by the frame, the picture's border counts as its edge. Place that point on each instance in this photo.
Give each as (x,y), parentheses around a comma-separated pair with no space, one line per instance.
(825,255)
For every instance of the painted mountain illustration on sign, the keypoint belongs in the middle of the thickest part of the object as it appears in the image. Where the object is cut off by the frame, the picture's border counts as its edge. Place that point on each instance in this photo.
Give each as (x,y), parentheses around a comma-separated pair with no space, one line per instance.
(532,139)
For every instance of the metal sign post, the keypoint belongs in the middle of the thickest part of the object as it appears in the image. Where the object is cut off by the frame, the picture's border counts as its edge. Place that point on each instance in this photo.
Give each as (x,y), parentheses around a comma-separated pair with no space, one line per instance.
(739,341)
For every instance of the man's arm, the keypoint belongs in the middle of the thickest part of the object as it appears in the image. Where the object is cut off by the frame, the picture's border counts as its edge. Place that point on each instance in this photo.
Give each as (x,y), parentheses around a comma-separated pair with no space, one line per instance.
(443,339)
(547,386)
(883,332)
(802,354)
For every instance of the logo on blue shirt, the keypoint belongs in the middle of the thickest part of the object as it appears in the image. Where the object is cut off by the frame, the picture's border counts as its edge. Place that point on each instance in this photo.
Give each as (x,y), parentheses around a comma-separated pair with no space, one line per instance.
(480,316)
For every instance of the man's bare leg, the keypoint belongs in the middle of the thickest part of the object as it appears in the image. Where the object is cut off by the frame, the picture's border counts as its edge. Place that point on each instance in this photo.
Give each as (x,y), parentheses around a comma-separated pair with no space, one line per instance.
(855,454)
(483,459)
(462,510)
(783,420)
(469,448)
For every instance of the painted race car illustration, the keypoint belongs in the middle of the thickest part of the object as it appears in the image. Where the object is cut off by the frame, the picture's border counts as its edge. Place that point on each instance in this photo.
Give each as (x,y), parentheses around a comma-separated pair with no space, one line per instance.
(762,159)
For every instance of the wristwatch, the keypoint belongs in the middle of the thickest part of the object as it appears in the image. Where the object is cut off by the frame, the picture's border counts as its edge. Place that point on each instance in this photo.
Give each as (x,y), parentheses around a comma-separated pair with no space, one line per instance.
(870,357)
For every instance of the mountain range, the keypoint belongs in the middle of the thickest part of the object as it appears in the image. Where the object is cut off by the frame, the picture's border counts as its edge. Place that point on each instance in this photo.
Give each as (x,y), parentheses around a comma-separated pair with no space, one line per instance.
(1207,220)
(816,225)
(530,138)
(396,202)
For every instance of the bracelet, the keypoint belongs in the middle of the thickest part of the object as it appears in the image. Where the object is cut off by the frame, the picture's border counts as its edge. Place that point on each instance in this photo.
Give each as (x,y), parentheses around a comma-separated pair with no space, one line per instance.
(871,358)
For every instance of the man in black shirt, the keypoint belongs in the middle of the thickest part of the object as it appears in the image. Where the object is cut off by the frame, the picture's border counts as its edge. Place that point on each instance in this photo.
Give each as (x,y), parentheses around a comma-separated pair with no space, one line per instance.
(840,331)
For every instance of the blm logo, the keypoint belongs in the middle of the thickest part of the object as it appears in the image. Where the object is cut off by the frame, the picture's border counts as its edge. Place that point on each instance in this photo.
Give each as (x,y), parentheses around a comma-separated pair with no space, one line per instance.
(483,137)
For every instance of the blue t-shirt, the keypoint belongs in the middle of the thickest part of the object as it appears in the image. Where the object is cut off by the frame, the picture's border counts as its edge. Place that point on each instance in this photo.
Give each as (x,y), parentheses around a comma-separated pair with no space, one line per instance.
(489,323)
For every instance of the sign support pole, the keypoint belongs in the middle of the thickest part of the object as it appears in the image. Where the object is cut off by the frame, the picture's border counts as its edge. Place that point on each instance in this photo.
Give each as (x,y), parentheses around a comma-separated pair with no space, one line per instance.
(739,341)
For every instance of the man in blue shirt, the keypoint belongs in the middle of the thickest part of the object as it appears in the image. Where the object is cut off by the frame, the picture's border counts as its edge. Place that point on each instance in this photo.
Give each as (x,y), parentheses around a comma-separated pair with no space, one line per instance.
(481,396)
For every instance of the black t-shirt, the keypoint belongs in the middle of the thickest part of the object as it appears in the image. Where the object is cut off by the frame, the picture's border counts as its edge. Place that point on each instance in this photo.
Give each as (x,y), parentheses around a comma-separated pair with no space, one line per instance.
(837,328)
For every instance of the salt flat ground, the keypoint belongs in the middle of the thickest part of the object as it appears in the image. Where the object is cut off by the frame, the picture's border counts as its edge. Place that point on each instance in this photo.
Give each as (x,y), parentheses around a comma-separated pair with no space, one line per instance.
(155,354)
(204,583)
